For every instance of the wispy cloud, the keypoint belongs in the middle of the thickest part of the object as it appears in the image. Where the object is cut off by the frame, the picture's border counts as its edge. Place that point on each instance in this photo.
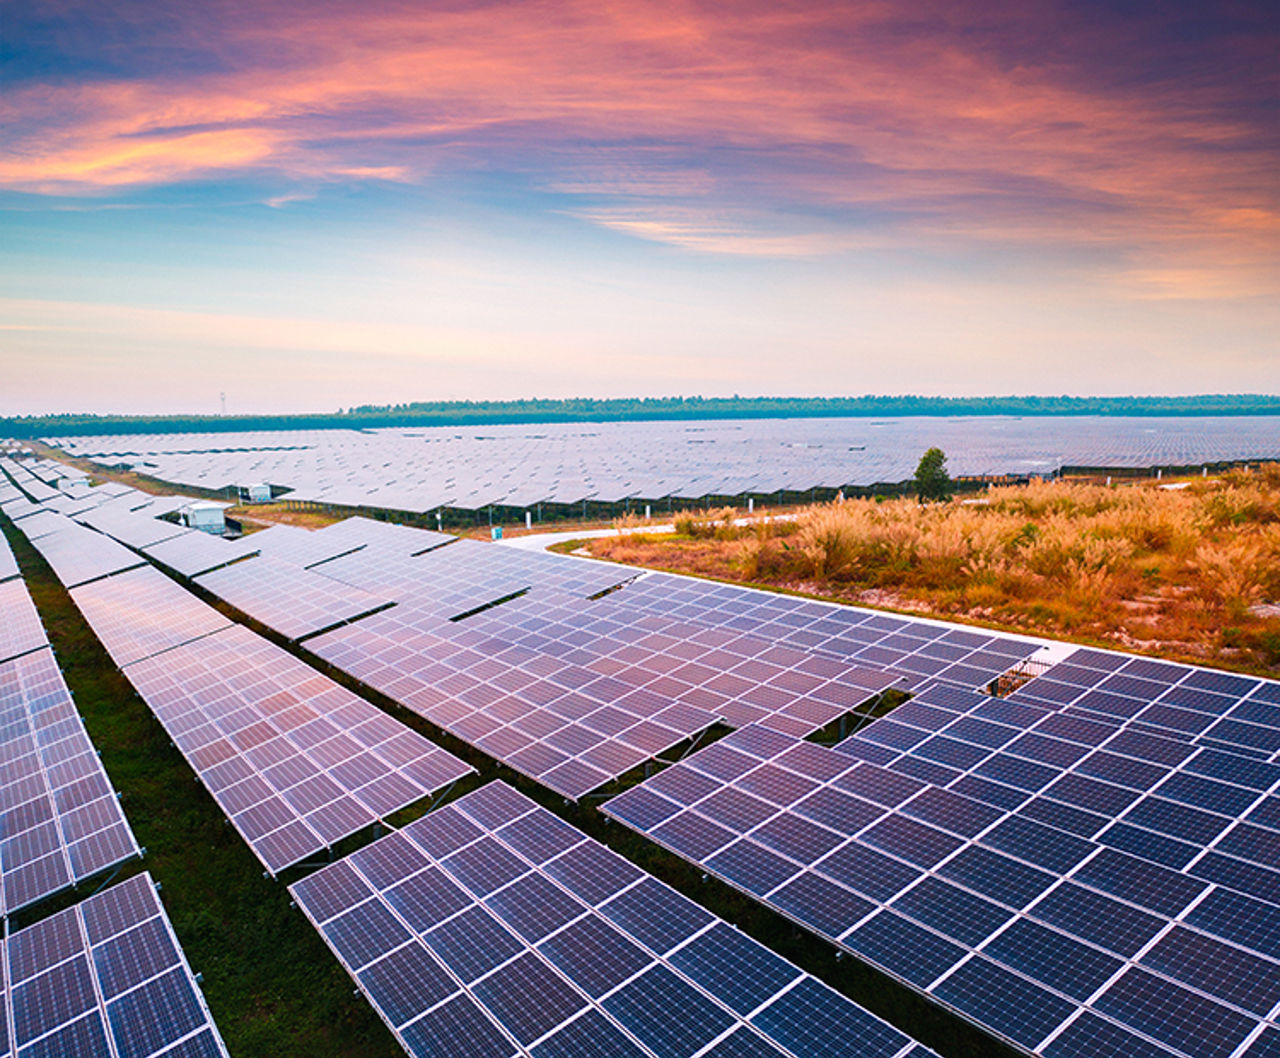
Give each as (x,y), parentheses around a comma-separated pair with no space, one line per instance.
(688,123)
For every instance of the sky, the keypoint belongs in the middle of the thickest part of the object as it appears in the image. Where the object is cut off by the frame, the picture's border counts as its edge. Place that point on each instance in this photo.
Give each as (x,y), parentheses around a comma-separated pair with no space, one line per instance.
(311,205)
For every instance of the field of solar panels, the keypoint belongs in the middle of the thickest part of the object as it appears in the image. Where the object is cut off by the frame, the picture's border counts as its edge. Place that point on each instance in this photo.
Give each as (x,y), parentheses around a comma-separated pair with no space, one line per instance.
(405,793)
(569,466)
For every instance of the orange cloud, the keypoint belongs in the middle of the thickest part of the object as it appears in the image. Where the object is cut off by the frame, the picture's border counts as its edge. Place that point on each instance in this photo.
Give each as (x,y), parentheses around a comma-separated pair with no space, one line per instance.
(737,109)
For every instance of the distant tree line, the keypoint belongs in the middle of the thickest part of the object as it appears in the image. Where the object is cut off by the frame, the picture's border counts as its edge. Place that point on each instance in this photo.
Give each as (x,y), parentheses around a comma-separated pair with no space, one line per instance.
(586,409)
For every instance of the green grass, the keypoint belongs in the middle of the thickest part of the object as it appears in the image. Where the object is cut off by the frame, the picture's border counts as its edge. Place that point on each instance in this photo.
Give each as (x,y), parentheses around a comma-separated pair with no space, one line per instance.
(274,988)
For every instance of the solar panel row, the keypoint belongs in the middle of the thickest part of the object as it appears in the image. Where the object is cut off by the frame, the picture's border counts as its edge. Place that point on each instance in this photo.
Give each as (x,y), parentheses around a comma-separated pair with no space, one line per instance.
(141,612)
(924,651)
(1061,944)
(20,628)
(8,564)
(79,555)
(60,819)
(294,601)
(492,927)
(104,978)
(294,760)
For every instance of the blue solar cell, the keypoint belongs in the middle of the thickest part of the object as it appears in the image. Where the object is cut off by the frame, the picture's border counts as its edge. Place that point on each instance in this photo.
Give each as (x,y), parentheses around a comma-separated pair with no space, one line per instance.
(658,989)
(1073,968)
(692,835)
(1122,771)
(1004,1002)
(1236,874)
(655,916)
(1240,919)
(423,900)
(1176,1016)
(879,785)
(828,908)
(812,1021)
(1150,846)
(951,752)
(751,867)
(1043,846)
(997,876)
(988,792)
(456,1027)
(1047,750)
(1020,774)
(539,836)
(739,972)
(867,872)
(1090,1036)
(154,1015)
(641,808)
(405,983)
(484,866)
(1267,1045)
(1097,919)
(952,911)
(588,1036)
(1063,816)
(1208,794)
(950,811)
(472,943)
(912,841)
(528,998)
(1216,968)
(1092,795)
(839,811)
(1140,882)
(592,872)
(797,837)
(594,955)
(533,907)
(365,933)
(1176,820)
(1230,767)
(903,948)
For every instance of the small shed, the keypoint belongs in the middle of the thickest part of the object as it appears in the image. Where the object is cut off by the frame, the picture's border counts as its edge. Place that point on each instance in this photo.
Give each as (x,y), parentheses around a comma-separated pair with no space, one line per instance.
(207,517)
(257,493)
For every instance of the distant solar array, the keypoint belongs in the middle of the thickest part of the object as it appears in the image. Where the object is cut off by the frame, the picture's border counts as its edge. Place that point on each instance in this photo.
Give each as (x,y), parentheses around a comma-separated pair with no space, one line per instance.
(294,760)
(1076,883)
(104,978)
(492,927)
(423,469)
(60,820)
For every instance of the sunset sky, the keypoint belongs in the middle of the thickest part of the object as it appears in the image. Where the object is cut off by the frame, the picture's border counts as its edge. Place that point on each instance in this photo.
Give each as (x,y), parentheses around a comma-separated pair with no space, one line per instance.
(314,205)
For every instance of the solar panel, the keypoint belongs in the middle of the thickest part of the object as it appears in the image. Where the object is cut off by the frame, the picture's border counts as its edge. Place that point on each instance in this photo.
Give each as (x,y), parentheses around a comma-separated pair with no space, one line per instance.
(137,530)
(21,630)
(79,555)
(294,601)
(492,927)
(195,552)
(105,977)
(1021,926)
(8,564)
(295,761)
(60,819)
(142,612)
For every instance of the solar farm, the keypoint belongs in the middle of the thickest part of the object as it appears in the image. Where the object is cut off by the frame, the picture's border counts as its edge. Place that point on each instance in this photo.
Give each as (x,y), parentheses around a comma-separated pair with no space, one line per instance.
(523,467)
(526,804)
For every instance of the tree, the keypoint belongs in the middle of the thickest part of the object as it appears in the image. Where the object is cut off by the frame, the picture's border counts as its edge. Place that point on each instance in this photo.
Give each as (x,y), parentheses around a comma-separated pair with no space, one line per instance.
(932,480)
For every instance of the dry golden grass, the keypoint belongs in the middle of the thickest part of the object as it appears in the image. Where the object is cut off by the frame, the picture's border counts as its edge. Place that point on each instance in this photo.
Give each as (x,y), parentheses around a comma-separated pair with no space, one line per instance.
(1180,572)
